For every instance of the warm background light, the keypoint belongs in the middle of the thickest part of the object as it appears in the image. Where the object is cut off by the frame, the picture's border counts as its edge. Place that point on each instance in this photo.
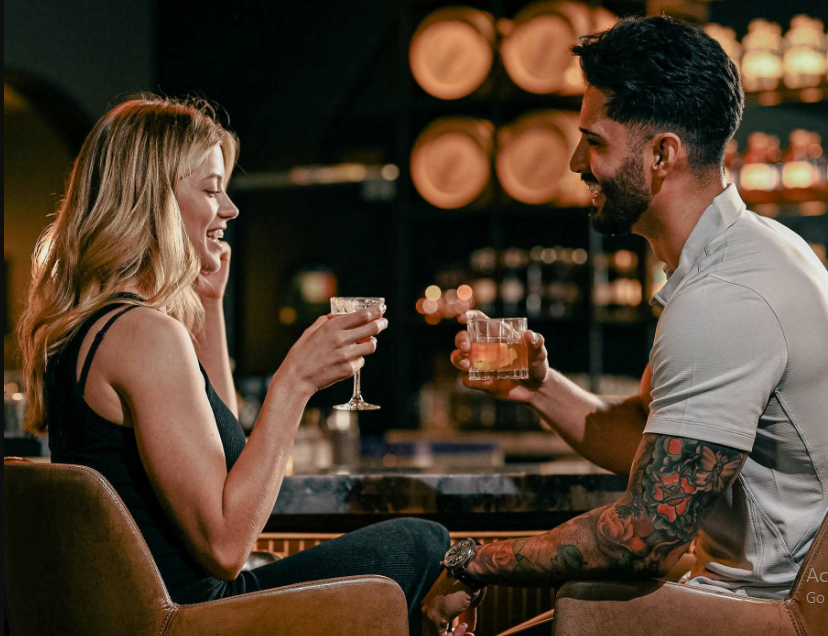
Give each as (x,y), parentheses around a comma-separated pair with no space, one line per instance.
(762,61)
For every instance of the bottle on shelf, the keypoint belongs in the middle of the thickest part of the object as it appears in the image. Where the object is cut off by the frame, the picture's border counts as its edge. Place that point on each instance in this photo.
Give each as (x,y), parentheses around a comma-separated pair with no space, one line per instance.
(760,170)
(762,59)
(544,282)
(732,162)
(799,170)
(727,38)
(484,268)
(617,291)
(513,287)
(565,282)
(534,283)
(805,62)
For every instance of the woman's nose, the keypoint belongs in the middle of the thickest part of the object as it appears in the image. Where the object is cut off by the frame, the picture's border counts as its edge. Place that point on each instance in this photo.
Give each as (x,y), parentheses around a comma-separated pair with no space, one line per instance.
(228,209)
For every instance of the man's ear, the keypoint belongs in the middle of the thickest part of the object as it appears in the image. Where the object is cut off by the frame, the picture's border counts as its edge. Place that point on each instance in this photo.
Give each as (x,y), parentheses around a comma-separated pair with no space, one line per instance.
(666,150)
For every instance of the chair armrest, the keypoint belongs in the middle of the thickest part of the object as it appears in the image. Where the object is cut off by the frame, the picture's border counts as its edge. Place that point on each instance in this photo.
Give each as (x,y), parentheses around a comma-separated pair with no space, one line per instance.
(642,608)
(348,606)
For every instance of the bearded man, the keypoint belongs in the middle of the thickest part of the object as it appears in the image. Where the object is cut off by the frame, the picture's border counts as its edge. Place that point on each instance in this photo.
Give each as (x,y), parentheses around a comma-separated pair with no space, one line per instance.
(726,442)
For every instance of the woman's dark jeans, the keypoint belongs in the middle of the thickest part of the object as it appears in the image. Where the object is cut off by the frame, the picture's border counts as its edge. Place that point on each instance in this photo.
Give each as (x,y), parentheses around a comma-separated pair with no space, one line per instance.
(408,551)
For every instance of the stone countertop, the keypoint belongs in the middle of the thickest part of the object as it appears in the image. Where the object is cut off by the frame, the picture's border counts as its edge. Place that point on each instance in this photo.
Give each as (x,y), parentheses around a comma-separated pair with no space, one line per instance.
(524,494)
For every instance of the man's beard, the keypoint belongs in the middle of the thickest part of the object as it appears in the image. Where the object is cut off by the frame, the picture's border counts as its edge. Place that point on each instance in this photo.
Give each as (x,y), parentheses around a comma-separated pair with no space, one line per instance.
(626,198)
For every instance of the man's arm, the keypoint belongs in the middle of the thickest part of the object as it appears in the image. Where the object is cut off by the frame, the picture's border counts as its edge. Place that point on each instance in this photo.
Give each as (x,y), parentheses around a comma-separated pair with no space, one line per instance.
(674,484)
(606,430)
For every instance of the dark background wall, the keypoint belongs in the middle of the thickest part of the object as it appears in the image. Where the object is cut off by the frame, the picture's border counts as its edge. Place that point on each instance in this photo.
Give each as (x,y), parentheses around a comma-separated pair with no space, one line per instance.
(303,83)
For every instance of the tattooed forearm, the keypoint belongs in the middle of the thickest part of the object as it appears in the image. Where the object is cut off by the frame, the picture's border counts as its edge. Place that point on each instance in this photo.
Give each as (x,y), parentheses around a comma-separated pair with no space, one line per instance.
(674,483)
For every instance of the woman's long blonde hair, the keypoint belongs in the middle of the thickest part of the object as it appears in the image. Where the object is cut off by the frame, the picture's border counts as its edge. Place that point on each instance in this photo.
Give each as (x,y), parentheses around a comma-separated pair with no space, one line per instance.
(119,227)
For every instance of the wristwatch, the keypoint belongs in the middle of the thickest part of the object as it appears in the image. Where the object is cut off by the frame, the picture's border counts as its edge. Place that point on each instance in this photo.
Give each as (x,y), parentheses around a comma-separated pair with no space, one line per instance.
(457,558)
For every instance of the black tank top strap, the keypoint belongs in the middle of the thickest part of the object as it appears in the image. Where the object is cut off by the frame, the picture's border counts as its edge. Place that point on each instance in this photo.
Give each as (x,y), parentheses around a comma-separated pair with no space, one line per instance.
(87,363)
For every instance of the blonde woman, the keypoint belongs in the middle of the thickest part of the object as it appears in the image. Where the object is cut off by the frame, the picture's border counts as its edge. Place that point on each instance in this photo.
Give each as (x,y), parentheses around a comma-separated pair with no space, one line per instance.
(126,365)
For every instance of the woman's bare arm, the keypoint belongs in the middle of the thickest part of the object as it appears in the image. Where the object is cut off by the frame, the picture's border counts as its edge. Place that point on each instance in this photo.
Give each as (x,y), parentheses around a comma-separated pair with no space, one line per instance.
(211,348)
(221,514)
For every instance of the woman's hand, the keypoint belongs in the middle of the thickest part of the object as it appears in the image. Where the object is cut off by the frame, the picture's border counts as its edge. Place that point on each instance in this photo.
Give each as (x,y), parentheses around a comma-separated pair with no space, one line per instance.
(333,348)
(447,599)
(512,390)
(210,286)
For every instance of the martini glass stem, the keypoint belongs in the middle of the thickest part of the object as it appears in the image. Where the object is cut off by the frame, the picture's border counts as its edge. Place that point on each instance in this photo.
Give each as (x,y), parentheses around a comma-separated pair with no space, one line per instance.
(357,396)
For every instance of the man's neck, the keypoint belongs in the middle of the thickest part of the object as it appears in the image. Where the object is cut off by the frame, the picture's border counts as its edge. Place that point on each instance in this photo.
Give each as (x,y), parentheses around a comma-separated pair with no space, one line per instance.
(670,220)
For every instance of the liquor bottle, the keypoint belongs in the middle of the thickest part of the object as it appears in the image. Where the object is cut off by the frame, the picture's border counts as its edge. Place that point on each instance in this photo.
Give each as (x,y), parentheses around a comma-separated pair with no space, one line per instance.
(512,287)
(534,283)
(799,170)
(759,171)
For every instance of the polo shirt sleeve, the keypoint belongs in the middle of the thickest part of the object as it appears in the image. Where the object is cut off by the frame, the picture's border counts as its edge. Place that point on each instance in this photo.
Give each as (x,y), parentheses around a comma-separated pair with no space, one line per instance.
(718,356)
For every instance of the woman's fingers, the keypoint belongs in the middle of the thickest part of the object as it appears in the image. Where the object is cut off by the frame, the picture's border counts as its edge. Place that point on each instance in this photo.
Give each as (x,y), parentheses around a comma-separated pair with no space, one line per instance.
(364,348)
(369,330)
(461,341)
(357,318)
(315,326)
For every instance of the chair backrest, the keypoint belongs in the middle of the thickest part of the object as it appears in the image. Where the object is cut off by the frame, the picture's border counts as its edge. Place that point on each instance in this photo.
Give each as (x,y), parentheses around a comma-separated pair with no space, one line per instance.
(75,562)
(808,599)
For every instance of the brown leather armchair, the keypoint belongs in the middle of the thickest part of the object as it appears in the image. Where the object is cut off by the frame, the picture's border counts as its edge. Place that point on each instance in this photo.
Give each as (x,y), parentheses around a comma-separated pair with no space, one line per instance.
(75,563)
(658,608)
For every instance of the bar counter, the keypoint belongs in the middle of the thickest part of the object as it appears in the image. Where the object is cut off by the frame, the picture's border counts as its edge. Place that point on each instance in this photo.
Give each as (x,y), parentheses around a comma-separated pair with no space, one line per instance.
(512,497)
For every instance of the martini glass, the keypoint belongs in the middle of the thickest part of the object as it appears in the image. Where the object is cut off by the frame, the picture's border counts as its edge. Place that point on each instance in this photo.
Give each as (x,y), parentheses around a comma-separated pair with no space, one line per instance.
(348,305)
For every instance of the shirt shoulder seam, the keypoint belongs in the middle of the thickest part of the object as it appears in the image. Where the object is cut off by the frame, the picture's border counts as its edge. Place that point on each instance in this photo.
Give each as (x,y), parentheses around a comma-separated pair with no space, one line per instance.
(658,418)
(767,304)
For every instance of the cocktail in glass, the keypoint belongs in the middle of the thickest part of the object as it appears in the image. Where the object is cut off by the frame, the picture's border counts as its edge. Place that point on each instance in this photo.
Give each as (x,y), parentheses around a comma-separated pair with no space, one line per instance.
(498,350)
(348,305)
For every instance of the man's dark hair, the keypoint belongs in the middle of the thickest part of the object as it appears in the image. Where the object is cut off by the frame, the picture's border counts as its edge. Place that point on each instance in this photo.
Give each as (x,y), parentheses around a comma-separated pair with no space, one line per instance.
(663,75)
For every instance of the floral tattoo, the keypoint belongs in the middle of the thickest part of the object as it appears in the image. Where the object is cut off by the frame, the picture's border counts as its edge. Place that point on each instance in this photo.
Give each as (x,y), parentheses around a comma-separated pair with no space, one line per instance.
(674,483)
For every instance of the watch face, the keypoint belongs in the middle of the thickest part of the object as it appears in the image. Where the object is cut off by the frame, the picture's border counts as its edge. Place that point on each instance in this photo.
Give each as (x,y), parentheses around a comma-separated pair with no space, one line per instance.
(459,554)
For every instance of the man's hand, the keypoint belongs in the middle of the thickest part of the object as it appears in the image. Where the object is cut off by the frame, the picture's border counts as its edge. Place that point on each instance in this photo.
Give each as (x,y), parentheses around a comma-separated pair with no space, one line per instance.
(512,390)
(446,600)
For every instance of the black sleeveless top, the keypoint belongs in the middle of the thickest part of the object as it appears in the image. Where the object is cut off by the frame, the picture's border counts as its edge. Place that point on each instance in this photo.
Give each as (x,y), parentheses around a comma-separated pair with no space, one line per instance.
(78,435)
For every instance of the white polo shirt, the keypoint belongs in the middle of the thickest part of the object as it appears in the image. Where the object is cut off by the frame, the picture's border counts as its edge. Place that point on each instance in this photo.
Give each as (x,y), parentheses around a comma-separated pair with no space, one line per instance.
(740,358)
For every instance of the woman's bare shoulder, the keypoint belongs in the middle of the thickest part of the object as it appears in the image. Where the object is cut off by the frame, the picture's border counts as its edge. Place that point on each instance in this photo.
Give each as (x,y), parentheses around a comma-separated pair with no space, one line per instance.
(150,341)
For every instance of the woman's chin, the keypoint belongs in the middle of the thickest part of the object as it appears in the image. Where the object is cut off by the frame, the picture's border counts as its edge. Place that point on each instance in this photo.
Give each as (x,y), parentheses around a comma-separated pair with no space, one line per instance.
(210,265)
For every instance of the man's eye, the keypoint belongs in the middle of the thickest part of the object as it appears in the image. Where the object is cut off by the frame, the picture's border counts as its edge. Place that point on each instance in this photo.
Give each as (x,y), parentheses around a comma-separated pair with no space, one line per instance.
(592,142)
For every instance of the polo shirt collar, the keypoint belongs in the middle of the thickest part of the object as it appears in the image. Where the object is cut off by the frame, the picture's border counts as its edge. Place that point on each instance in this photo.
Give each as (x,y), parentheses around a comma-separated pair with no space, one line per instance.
(723,212)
